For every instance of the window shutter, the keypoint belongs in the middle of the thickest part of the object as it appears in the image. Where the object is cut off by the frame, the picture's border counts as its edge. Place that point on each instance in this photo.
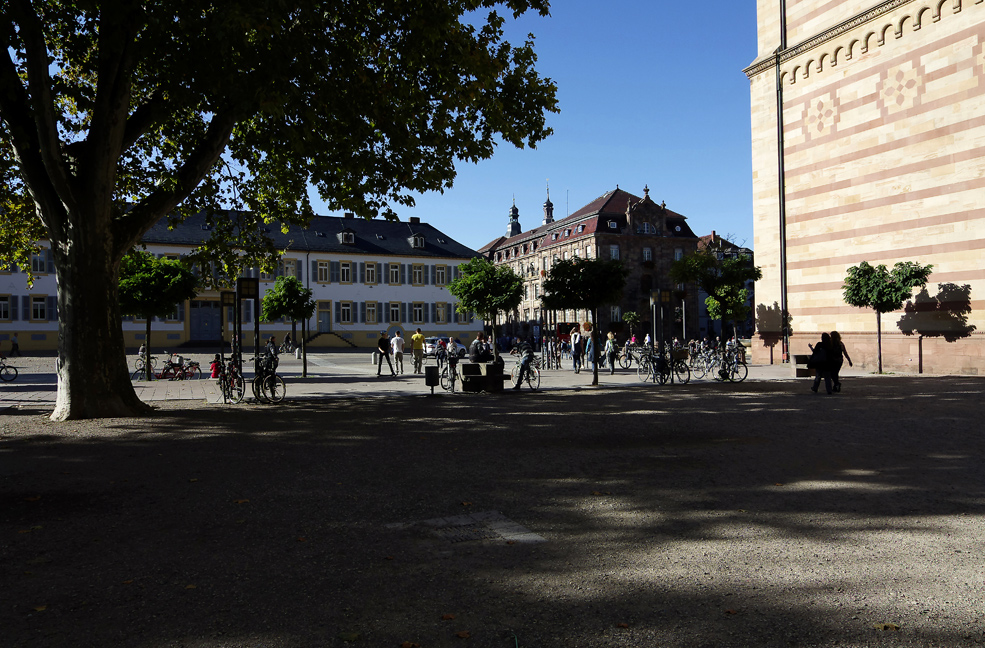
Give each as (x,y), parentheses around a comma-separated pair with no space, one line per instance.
(379,312)
(12,300)
(338,312)
(52,308)
(314,271)
(181,312)
(434,312)
(454,273)
(300,267)
(362,272)
(427,314)
(334,271)
(454,316)
(403,273)
(434,275)
(50,257)
(386,313)
(362,312)
(26,307)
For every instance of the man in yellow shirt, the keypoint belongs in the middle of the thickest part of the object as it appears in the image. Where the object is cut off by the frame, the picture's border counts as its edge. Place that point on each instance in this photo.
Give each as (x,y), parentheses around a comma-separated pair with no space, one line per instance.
(417,344)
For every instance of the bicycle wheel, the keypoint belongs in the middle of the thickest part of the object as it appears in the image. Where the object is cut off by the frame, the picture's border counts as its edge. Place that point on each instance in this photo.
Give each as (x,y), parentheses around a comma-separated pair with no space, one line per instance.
(739,372)
(8,373)
(533,377)
(625,361)
(258,389)
(515,375)
(643,370)
(274,388)
(682,373)
(445,379)
(192,372)
(663,373)
(237,389)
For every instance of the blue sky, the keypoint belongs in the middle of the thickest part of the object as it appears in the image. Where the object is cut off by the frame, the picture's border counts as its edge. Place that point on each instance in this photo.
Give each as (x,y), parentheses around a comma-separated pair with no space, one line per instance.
(651,92)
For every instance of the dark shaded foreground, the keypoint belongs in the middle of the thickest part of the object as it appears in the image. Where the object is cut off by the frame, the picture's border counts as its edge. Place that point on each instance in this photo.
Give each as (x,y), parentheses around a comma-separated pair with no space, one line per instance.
(708,515)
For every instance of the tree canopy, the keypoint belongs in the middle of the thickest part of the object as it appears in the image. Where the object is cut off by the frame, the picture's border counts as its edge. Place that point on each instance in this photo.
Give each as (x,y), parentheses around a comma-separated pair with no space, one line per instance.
(883,290)
(289,298)
(487,289)
(585,283)
(117,114)
(723,277)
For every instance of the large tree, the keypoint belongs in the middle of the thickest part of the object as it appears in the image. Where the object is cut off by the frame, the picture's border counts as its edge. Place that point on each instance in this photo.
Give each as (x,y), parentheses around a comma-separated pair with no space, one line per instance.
(723,277)
(585,284)
(487,290)
(289,298)
(117,114)
(883,290)
(153,287)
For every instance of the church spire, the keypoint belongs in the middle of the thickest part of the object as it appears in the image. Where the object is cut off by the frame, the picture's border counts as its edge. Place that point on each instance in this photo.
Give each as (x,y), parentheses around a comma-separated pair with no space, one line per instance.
(513,229)
(548,208)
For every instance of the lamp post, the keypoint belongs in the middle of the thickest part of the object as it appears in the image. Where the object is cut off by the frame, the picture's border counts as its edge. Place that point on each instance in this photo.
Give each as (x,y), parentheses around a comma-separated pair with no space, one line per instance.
(249,288)
(227,298)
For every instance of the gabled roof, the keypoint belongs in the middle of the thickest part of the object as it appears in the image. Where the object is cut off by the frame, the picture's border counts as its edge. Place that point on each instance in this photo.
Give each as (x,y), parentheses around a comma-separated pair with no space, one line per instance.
(323,234)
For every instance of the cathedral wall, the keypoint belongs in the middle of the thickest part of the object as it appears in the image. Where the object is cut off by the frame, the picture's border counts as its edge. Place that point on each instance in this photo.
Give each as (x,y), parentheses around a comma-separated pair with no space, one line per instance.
(884,129)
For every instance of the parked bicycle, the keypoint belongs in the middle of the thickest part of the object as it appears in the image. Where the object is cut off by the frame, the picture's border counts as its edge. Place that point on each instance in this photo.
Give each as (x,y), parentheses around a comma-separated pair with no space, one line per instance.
(662,364)
(630,353)
(138,364)
(267,385)
(231,383)
(7,373)
(450,374)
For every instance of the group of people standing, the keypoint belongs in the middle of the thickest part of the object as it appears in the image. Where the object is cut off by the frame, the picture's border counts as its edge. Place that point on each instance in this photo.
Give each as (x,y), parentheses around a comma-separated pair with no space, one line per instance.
(395,346)
(827,358)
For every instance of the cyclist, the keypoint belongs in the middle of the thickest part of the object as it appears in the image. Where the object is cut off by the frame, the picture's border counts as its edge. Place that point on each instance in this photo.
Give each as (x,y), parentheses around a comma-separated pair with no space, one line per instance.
(526,353)
(288,344)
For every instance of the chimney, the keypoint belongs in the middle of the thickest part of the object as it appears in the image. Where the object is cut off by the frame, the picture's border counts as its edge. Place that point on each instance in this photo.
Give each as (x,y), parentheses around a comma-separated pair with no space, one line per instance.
(348,215)
(416,220)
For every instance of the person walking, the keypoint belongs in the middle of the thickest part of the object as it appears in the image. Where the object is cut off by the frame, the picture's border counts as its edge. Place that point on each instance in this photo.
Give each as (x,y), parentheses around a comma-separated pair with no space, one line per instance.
(417,347)
(821,361)
(611,351)
(15,347)
(576,350)
(590,351)
(526,353)
(840,355)
(383,345)
(397,345)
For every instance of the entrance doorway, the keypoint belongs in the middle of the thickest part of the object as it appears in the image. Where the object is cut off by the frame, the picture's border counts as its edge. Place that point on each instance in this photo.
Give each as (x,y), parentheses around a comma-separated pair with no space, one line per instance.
(205,320)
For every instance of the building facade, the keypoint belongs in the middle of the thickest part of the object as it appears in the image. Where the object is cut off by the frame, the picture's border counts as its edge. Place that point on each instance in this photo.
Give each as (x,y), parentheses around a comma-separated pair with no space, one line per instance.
(366,276)
(725,249)
(868,127)
(645,236)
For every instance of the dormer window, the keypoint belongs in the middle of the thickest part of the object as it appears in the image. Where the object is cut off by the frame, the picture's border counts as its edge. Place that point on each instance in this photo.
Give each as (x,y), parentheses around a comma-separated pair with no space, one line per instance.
(348,237)
(417,241)
(613,224)
(554,236)
(567,232)
(581,228)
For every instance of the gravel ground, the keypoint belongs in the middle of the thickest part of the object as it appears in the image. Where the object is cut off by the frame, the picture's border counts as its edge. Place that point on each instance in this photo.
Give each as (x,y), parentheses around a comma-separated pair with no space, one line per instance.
(699,516)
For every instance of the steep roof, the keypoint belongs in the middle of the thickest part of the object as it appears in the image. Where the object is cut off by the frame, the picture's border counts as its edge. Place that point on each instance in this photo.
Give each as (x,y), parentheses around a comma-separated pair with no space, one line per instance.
(324,234)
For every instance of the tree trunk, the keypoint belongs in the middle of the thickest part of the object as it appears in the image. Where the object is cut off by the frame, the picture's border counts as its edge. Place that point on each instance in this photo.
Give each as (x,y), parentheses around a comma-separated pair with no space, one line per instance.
(879,338)
(595,346)
(93,380)
(148,370)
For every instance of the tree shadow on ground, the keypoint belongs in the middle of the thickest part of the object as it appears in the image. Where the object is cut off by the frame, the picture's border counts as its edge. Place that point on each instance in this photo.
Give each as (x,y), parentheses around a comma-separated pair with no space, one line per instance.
(702,515)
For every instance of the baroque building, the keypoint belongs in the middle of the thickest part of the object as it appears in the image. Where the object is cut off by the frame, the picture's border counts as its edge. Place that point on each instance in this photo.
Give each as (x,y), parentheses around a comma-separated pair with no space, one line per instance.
(868,123)
(645,236)
(365,276)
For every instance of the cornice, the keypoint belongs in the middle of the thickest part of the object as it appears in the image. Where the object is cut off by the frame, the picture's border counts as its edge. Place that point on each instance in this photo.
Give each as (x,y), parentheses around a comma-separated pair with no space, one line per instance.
(829,34)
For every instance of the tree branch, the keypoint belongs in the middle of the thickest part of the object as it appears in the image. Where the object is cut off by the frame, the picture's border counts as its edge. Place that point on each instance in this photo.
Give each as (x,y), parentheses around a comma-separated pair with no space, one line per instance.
(132,225)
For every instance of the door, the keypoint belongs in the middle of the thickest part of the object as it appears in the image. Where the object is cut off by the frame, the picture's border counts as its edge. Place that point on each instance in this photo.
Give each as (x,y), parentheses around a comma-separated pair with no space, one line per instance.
(205,320)
(324,317)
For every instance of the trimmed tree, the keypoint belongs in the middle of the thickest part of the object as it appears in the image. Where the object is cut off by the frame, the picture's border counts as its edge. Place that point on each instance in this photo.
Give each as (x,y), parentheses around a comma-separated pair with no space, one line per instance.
(487,290)
(633,319)
(151,287)
(117,114)
(883,290)
(723,279)
(585,284)
(289,298)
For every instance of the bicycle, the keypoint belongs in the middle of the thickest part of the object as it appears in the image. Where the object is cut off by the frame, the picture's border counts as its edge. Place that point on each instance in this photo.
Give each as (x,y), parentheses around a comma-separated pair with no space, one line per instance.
(451,373)
(287,347)
(734,368)
(231,384)
(7,373)
(138,364)
(267,385)
(629,354)
(533,372)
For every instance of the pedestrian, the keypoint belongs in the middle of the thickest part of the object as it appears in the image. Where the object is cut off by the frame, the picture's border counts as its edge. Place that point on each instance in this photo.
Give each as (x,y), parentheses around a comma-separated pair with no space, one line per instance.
(383,345)
(272,346)
(417,347)
(589,351)
(215,366)
(479,350)
(397,346)
(15,347)
(576,350)
(821,361)
(611,351)
(840,355)
(646,340)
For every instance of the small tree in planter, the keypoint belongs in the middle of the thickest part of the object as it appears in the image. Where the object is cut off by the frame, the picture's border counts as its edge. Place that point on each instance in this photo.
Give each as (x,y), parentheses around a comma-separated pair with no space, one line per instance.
(151,287)
(289,298)
(883,290)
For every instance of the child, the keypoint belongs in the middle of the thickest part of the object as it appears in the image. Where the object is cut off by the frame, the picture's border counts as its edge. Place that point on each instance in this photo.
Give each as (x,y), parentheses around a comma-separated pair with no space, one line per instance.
(216,366)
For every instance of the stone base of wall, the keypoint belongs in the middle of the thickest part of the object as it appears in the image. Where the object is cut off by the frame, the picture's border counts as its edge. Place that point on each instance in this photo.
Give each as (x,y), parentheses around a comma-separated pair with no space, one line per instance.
(913,354)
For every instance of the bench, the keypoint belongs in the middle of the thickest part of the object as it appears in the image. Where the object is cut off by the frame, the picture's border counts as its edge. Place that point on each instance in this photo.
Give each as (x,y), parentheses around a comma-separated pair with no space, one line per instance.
(800,369)
(482,376)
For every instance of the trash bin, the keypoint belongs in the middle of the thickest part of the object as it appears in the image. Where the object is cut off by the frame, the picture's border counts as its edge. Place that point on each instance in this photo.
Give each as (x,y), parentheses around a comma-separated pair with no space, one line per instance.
(431,376)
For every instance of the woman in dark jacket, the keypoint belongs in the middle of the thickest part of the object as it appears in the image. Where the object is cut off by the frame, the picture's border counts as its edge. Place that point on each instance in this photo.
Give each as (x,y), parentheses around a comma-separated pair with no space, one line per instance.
(840,355)
(822,361)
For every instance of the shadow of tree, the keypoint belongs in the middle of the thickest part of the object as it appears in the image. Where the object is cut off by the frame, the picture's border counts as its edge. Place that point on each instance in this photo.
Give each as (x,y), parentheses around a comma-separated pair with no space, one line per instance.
(705,515)
(942,315)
